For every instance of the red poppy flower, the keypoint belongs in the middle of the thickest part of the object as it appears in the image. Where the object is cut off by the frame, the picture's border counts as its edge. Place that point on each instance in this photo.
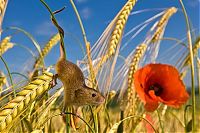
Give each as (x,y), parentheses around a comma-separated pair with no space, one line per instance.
(156,83)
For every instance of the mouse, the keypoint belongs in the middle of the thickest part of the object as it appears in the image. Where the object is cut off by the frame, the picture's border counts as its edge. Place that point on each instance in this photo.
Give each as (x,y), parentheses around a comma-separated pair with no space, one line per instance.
(76,92)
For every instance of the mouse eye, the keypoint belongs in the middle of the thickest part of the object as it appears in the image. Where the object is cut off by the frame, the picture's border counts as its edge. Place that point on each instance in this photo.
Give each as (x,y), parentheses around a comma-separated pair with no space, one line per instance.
(93,95)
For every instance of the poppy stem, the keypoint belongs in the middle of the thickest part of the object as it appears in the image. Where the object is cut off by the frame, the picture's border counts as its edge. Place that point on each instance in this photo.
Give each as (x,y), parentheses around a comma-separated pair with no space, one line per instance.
(191,65)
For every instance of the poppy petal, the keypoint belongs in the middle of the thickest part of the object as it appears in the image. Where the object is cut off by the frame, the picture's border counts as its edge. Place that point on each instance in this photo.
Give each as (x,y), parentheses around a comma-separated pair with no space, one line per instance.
(151,102)
(140,82)
(151,106)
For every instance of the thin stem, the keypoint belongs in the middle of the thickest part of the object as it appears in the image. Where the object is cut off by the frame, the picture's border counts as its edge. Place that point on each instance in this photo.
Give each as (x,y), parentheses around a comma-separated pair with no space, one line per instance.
(26,48)
(17,73)
(81,119)
(60,30)
(160,121)
(68,118)
(80,22)
(93,118)
(9,74)
(175,116)
(192,67)
(77,40)
(10,92)
(35,43)
(87,44)
(198,73)
(120,128)
(140,117)
(174,39)
(70,114)
(97,123)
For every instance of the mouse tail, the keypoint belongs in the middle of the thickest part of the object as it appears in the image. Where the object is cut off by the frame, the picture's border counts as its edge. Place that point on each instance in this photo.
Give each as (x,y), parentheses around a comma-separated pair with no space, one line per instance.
(62,51)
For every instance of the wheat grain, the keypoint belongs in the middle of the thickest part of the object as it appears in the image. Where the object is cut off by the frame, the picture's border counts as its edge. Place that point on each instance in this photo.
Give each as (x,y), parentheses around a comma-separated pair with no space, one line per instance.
(5,44)
(50,44)
(160,26)
(29,93)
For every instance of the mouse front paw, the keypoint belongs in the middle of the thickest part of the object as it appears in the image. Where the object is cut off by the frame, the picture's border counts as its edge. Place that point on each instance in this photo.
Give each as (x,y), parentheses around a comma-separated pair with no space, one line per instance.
(54,80)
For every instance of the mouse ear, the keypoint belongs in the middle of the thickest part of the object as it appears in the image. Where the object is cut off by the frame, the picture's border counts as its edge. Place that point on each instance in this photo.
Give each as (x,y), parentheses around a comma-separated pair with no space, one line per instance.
(91,83)
(88,80)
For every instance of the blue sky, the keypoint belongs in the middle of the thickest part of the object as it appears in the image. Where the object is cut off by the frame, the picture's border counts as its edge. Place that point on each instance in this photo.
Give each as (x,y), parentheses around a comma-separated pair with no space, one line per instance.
(96,15)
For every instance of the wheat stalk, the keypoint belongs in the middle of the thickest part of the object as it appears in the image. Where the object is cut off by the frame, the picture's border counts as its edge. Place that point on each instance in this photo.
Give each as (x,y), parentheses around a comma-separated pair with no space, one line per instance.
(47,48)
(24,98)
(191,66)
(198,73)
(140,50)
(118,31)
(160,26)
(5,44)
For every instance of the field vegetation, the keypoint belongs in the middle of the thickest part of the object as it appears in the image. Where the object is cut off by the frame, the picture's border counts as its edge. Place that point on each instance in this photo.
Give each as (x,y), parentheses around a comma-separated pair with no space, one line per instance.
(142,93)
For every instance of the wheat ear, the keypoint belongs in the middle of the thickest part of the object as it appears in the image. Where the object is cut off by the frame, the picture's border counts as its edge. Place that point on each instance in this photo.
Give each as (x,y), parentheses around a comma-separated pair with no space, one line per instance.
(118,31)
(23,99)
(47,48)
(5,44)
(186,61)
(3,5)
(140,50)
(2,81)
(161,24)
(195,51)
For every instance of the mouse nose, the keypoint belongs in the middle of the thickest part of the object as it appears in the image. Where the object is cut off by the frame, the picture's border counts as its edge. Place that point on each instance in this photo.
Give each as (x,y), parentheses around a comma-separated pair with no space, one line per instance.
(101,99)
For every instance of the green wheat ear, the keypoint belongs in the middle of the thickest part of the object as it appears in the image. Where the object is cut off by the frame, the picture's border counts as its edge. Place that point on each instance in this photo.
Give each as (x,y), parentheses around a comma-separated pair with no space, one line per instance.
(13,109)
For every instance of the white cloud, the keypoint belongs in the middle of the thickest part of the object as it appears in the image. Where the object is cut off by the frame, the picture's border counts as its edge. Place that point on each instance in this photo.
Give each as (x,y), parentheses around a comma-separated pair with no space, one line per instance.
(45,28)
(86,13)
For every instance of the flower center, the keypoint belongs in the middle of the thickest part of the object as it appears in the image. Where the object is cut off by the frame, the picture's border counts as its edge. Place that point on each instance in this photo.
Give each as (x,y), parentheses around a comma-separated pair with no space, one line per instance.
(157,89)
